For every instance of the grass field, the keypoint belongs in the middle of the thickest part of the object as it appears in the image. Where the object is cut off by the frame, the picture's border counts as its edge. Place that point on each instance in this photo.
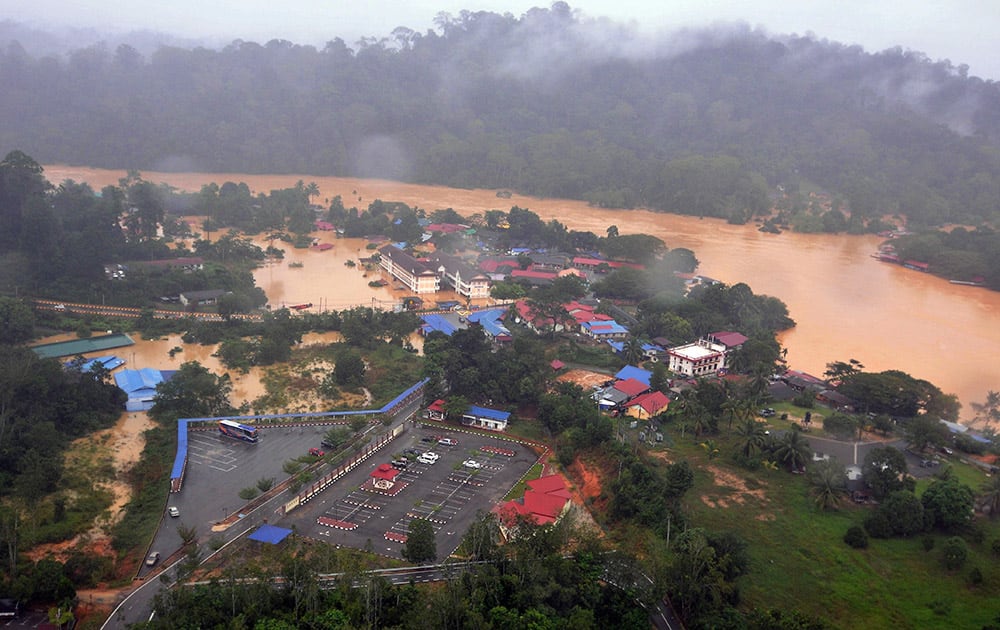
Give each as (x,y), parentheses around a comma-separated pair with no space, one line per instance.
(800,561)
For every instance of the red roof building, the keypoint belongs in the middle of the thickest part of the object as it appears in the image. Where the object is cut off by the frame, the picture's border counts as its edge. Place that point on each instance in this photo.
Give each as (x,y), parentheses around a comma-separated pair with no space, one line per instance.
(647,405)
(544,502)
(384,472)
(631,387)
(435,411)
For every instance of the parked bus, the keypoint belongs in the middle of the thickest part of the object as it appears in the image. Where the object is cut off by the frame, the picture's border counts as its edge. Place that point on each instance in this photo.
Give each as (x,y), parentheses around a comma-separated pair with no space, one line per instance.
(236,430)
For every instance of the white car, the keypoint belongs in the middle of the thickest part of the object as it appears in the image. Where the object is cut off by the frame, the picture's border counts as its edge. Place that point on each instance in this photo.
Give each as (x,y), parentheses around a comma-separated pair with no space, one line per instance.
(471,463)
(173,511)
(428,458)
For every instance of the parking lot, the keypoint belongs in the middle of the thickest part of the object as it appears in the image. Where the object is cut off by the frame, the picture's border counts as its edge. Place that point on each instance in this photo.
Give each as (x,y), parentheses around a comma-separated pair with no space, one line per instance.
(218,468)
(448,493)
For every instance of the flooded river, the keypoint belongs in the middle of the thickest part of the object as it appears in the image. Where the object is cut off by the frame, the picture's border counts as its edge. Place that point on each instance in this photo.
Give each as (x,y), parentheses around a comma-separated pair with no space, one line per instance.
(847,305)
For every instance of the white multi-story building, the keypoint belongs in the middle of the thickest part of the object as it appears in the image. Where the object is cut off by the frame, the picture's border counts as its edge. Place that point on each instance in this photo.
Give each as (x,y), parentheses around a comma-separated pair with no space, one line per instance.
(464,278)
(416,275)
(700,358)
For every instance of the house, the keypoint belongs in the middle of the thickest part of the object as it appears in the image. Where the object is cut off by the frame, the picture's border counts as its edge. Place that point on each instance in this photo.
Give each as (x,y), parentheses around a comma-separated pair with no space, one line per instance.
(800,381)
(603,330)
(415,275)
(491,322)
(647,405)
(140,386)
(728,339)
(650,351)
(700,358)
(835,400)
(630,371)
(537,278)
(484,418)
(533,321)
(435,411)
(583,262)
(610,398)
(585,313)
(202,298)
(436,323)
(631,387)
(544,502)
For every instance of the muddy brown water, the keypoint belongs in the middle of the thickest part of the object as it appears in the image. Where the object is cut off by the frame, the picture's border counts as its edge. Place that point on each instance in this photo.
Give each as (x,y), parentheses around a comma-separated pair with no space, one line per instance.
(847,304)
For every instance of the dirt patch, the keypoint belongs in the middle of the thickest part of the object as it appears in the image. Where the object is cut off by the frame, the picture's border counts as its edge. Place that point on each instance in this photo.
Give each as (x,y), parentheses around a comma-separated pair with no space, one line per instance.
(739,496)
(584,378)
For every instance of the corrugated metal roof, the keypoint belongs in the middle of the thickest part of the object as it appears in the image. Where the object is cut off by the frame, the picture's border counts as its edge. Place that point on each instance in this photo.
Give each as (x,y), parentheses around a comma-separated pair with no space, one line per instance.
(82,346)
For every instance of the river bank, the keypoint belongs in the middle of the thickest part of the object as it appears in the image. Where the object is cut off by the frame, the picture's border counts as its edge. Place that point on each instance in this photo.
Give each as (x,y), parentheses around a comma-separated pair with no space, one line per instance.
(847,304)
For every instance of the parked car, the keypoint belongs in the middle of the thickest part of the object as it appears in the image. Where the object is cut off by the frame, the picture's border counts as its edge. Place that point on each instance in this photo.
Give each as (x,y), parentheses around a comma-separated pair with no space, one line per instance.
(326,443)
(400,464)
(173,511)
(428,440)
(428,458)
(471,463)
(412,452)
(152,558)
(448,442)
(315,452)
(767,412)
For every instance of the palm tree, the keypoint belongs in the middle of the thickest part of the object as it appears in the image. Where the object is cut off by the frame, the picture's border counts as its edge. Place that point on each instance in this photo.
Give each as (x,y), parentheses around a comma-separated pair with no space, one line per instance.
(632,350)
(793,450)
(753,437)
(991,495)
(829,484)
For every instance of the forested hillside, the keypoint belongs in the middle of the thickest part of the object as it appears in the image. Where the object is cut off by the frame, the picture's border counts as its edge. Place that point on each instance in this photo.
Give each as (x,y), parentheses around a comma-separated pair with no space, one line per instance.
(707,123)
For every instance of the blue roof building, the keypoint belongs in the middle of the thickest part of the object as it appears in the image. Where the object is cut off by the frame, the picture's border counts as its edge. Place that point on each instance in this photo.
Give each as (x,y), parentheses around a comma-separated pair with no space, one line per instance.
(434,322)
(140,385)
(630,371)
(486,418)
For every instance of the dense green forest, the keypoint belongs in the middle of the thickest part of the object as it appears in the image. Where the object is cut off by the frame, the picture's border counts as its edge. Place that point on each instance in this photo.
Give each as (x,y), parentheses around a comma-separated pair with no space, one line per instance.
(708,123)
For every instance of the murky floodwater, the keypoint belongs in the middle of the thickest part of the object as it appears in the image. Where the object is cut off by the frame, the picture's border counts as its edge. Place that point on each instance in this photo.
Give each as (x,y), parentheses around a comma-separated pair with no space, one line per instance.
(847,304)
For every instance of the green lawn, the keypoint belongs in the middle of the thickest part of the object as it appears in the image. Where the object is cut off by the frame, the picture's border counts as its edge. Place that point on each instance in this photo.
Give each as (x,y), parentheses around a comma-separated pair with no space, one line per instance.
(800,561)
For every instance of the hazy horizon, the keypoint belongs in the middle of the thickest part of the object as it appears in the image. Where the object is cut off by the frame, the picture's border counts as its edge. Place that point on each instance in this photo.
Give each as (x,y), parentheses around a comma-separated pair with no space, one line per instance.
(959,32)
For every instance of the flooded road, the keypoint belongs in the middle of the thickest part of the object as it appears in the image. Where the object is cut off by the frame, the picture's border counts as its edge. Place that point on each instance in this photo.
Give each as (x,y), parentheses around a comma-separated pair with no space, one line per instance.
(847,304)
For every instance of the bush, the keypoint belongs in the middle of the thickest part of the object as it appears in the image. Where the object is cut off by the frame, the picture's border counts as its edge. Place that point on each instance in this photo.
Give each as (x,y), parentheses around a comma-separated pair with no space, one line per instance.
(954,553)
(856,537)
(975,576)
(928,543)
(996,547)
(901,514)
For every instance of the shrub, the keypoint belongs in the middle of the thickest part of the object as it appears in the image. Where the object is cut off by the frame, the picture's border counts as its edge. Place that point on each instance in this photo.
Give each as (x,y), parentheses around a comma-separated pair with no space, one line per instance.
(996,547)
(928,543)
(975,576)
(856,537)
(954,553)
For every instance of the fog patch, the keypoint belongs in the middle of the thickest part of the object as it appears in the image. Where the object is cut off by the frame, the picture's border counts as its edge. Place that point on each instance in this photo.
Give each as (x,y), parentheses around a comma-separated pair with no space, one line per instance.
(382,157)
(177,164)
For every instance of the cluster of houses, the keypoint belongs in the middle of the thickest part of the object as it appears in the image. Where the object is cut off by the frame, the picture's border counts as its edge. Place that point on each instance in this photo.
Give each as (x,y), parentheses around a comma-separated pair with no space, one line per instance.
(440,271)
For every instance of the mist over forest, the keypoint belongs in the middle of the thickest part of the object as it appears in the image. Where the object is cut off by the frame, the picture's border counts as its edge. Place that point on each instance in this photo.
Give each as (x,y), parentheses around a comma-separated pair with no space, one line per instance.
(705,122)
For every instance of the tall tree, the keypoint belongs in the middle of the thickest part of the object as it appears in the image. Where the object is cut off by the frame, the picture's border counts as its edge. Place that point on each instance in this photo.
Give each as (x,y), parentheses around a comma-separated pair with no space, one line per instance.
(420,545)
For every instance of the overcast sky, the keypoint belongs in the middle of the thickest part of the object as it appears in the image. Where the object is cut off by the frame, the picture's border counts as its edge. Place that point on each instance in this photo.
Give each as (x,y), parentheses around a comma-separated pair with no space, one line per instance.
(963,31)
